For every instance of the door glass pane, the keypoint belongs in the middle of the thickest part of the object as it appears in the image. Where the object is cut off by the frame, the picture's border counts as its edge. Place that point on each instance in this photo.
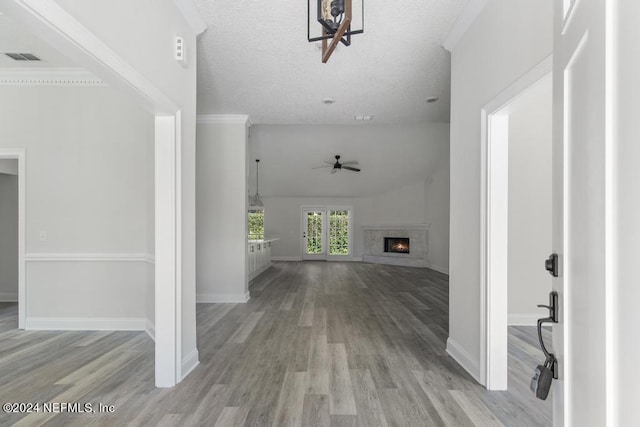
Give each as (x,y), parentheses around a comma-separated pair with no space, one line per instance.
(338,232)
(314,232)
(256,224)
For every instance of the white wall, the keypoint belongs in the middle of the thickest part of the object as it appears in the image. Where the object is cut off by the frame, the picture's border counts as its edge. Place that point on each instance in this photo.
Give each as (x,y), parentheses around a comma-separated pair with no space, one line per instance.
(437,215)
(626,200)
(86,193)
(8,234)
(507,39)
(401,206)
(222,213)
(529,235)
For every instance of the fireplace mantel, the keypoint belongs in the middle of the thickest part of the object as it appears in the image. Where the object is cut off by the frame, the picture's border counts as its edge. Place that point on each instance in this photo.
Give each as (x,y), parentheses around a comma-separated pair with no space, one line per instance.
(374,244)
(397,227)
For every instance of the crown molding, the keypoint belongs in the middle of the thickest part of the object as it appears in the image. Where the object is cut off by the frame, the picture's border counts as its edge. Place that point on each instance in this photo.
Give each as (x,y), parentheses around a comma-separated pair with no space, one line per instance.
(463,23)
(48,77)
(192,15)
(224,119)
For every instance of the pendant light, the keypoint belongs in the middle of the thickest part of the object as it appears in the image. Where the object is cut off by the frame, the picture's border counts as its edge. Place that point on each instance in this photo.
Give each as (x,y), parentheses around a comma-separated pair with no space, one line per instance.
(256,200)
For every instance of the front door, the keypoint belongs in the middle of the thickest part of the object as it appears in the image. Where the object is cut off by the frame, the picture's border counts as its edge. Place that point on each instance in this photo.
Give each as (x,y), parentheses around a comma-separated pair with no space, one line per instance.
(580,228)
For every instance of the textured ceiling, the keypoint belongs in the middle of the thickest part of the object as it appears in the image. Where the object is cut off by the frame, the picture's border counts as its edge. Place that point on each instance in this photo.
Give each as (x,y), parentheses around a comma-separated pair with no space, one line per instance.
(255,59)
(15,38)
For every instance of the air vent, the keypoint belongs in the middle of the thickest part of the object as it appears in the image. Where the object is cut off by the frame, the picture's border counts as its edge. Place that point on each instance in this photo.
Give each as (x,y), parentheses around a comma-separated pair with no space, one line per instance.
(23,56)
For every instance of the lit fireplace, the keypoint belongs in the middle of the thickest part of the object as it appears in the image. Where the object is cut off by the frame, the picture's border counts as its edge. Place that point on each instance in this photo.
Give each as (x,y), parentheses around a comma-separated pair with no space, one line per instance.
(396,244)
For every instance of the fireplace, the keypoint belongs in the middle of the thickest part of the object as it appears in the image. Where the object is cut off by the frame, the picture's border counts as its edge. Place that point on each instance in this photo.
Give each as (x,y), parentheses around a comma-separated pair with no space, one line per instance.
(398,245)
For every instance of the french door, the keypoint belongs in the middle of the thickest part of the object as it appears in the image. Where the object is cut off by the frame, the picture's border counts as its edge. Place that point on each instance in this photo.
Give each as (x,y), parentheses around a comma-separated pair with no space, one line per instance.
(326,233)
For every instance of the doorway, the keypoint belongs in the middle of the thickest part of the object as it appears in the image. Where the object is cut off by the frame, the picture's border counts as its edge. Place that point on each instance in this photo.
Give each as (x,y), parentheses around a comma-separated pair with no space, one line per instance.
(326,233)
(12,229)
(495,227)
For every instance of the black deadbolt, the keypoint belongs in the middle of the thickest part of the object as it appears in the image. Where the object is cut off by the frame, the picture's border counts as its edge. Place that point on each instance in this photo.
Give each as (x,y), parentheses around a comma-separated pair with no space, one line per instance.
(551,265)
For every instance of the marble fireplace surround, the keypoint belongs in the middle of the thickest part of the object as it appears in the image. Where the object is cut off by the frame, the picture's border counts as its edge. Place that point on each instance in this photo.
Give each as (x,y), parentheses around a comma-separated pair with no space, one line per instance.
(374,244)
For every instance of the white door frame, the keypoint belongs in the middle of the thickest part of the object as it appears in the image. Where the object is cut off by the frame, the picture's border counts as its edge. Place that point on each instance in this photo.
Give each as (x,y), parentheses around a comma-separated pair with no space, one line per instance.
(51,22)
(494,227)
(19,154)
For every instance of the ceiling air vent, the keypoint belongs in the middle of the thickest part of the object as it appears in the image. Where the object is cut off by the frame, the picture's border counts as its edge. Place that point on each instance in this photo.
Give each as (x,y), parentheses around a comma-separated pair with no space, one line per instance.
(23,56)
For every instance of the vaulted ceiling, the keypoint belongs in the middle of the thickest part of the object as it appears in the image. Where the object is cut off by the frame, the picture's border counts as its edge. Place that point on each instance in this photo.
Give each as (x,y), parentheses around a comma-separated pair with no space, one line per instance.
(255,59)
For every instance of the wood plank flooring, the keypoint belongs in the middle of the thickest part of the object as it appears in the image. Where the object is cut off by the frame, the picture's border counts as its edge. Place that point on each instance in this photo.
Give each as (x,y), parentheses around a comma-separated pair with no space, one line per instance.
(318,344)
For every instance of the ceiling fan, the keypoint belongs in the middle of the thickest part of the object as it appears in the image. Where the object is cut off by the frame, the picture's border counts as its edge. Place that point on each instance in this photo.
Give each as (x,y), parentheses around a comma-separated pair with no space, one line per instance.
(339,166)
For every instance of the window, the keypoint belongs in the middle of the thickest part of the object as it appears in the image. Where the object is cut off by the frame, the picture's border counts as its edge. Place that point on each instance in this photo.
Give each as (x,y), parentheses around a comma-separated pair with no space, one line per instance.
(256,224)
(338,232)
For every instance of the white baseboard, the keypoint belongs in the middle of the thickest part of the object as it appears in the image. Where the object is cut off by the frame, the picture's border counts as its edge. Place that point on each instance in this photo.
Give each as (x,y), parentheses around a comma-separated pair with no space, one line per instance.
(223,298)
(463,358)
(151,329)
(86,324)
(8,297)
(189,363)
(523,319)
(286,258)
(439,269)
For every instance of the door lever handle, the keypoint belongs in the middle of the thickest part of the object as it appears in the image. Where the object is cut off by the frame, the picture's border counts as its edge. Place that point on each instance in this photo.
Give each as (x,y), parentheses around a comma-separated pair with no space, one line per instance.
(553,318)
(552,307)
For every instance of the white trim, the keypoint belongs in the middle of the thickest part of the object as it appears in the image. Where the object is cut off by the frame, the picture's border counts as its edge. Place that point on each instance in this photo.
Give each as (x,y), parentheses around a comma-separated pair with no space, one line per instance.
(89,257)
(523,319)
(463,358)
(177,190)
(48,77)
(286,258)
(189,363)
(86,324)
(463,23)
(223,119)
(8,296)
(20,155)
(150,328)
(167,282)
(216,298)
(439,269)
(397,227)
(493,225)
(192,15)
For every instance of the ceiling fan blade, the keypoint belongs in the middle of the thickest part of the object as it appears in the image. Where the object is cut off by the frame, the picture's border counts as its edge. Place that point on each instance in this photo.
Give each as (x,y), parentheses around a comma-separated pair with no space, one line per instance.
(334,170)
(349,163)
(350,168)
(323,166)
(329,163)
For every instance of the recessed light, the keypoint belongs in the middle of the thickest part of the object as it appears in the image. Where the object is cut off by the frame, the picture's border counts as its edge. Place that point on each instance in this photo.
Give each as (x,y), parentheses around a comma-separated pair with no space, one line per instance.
(328,101)
(432,99)
(363,117)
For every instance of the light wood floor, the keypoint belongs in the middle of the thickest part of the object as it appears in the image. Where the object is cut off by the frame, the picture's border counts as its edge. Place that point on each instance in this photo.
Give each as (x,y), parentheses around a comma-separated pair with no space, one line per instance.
(318,344)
